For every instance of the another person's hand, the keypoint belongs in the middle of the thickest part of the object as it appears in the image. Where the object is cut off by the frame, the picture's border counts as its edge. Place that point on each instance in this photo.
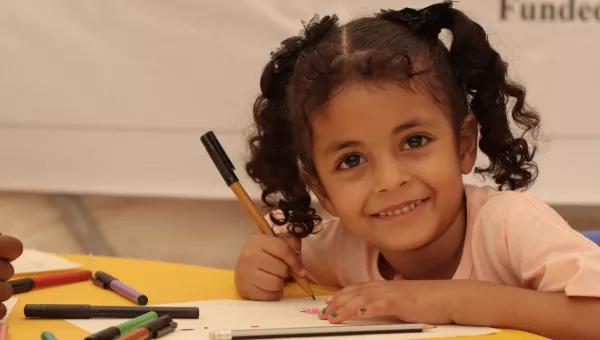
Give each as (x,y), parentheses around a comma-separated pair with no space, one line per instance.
(10,249)
(265,264)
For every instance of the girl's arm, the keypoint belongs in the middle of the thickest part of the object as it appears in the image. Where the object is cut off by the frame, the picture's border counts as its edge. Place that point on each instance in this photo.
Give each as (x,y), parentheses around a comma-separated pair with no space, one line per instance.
(553,315)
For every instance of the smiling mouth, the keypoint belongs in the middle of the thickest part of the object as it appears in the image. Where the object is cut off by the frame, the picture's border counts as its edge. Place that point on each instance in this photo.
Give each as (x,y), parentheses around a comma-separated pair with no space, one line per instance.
(400,210)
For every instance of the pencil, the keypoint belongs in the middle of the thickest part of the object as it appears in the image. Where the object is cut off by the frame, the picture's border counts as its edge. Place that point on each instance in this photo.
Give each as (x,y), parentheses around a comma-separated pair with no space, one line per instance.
(278,333)
(226,168)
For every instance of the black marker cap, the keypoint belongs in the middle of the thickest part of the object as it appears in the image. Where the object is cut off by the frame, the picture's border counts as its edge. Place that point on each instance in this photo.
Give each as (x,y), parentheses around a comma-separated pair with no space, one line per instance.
(21,285)
(219,157)
(158,324)
(102,279)
(172,326)
(105,334)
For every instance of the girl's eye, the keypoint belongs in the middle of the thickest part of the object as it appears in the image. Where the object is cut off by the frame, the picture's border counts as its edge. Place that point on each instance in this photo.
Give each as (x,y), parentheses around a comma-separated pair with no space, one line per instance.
(415,141)
(351,161)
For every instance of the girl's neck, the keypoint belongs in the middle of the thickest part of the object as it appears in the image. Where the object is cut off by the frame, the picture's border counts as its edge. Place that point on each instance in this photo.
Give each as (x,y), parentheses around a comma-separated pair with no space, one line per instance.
(436,261)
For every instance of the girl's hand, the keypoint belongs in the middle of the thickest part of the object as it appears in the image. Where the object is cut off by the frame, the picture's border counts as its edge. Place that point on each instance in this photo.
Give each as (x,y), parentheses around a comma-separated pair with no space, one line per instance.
(264,266)
(410,301)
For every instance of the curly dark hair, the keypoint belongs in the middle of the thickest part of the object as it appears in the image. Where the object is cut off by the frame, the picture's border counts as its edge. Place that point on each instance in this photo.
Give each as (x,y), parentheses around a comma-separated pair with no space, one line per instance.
(401,46)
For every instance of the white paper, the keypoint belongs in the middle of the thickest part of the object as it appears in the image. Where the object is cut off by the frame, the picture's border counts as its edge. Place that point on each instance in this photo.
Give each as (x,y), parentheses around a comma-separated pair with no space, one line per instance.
(232,314)
(35,261)
(10,304)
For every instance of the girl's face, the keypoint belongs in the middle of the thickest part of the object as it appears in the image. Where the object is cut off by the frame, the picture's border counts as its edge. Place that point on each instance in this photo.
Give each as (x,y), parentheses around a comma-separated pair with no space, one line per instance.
(390,164)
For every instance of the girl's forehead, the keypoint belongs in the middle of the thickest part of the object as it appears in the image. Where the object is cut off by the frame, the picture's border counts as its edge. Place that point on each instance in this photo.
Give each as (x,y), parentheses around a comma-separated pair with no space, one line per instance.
(360,103)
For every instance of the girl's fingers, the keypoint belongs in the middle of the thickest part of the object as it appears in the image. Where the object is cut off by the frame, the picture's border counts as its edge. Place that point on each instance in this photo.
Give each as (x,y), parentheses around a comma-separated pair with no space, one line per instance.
(273,265)
(376,307)
(350,309)
(358,289)
(267,281)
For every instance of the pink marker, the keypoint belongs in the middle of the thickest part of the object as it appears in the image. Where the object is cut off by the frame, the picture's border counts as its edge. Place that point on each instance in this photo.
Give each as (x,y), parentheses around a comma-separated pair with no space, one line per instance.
(107,281)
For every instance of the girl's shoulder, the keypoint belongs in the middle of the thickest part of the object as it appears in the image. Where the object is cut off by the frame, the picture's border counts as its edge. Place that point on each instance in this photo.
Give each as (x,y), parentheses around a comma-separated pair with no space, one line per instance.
(515,238)
(505,219)
(486,204)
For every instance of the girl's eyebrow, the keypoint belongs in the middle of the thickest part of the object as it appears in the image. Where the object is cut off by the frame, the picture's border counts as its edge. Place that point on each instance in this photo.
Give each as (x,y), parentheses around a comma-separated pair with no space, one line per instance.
(405,126)
(337,146)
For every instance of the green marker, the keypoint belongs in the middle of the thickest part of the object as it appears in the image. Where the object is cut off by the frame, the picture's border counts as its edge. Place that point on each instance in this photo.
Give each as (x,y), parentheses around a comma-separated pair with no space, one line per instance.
(126,327)
(48,336)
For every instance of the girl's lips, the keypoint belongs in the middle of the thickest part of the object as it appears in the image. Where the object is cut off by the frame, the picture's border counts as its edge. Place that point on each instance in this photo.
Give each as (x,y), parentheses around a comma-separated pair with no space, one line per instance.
(406,212)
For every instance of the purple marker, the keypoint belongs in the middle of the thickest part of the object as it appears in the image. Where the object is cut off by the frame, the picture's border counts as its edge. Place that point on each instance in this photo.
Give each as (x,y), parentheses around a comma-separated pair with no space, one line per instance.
(107,281)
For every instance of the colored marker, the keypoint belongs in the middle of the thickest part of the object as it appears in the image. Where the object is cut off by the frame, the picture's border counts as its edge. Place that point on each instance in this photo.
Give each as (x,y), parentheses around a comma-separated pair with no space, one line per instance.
(159,334)
(152,330)
(51,311)
(26,284)
(107,281)
(126,327)
(48,336)
(3,330)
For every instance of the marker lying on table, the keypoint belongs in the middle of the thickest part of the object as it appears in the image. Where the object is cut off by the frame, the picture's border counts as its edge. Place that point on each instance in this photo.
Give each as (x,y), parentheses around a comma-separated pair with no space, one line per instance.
(126,327)
(304,332)
(107,281)
(152,330)
(87,312)
(225,167)
(26,284)
(48,336)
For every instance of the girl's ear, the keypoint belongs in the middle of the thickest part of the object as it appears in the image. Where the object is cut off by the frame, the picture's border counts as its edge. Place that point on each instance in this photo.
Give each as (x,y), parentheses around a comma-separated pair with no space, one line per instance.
(468,137)
(319,191)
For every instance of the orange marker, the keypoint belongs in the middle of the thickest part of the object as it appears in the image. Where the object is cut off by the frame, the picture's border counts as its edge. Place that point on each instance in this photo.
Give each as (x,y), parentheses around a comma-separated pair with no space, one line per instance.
(151,330)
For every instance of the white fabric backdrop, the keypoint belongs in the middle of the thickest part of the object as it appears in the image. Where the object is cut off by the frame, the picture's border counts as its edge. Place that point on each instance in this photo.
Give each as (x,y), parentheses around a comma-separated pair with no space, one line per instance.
(111,96)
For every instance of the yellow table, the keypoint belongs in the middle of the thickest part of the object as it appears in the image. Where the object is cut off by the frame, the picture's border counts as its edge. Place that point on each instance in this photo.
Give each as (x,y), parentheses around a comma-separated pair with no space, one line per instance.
(155,279)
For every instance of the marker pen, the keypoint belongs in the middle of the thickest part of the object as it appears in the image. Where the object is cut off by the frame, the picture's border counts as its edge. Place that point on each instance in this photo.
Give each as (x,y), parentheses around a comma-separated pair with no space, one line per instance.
(110,282)
(51,311)
(115,331)
(26,284)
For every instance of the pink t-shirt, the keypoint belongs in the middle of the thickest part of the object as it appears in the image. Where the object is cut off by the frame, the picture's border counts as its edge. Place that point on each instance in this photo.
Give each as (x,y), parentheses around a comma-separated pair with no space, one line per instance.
(512,238)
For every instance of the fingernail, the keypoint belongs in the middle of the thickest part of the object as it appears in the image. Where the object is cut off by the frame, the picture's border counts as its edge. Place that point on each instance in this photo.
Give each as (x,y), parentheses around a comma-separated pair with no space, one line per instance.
(302,272)
(334,314)
(324,310)
(363,310)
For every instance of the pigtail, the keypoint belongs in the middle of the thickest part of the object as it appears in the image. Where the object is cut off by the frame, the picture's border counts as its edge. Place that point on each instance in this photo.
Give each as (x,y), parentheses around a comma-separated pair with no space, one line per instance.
(274,155)
(484,76)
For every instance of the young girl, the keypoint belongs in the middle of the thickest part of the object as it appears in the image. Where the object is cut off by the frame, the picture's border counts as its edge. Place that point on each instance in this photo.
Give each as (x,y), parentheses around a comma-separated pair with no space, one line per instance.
(380,120)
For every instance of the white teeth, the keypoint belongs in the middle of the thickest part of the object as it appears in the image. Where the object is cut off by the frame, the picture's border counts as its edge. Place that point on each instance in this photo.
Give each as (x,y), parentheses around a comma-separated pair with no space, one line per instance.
(404,210)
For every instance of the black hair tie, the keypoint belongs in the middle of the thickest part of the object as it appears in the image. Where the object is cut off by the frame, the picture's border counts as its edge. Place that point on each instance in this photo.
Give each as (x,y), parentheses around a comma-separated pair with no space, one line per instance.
(313,31)
(429,21)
